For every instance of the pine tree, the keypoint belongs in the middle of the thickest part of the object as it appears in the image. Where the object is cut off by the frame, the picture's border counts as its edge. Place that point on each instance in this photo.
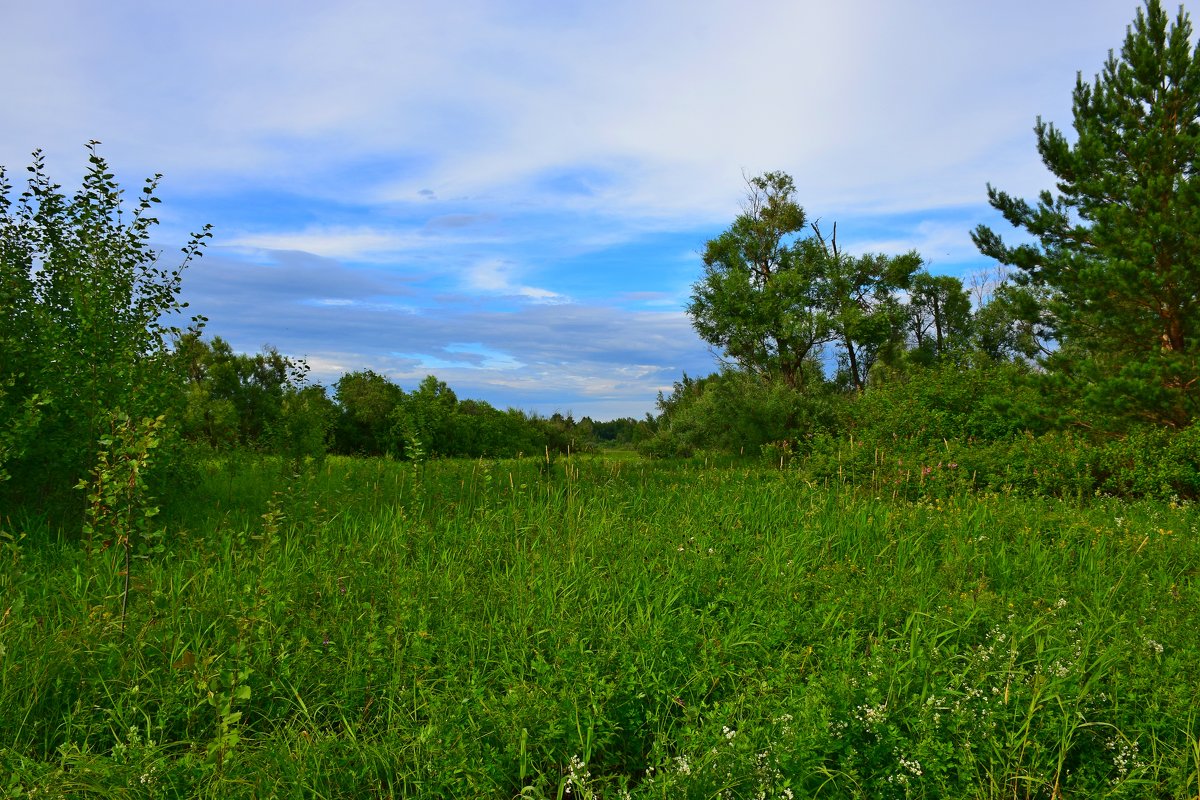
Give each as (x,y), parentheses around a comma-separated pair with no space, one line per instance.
(1118,248)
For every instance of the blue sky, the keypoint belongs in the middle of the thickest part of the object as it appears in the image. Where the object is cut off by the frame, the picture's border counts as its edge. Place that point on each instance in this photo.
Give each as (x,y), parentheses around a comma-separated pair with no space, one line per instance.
(514,195)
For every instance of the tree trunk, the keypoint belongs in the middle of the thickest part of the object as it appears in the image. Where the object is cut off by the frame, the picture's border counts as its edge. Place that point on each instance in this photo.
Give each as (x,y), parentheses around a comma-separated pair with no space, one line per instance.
(858,382)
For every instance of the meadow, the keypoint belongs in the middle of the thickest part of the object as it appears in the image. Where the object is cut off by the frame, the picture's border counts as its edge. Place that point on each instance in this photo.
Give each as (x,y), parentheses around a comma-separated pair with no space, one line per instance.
(597,628)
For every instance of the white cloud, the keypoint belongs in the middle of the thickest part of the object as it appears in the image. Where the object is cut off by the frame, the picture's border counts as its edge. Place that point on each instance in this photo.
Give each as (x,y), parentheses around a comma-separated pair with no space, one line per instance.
(497,276)
(333,301)
(936,240)
(353,244)
(544,356)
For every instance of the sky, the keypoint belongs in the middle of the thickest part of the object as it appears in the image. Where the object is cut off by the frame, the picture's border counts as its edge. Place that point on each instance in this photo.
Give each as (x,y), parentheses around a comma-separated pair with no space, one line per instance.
(514,196)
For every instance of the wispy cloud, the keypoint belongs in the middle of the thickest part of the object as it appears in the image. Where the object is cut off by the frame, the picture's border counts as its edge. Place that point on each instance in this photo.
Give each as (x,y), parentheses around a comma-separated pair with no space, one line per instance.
(353,244)
(661,105)
(496,276)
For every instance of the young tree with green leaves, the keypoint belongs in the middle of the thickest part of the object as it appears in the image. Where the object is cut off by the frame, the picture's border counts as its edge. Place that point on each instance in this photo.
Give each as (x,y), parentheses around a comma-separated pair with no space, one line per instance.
(88,316)
(1012,324)
(304,428)
(424,420)
(1117,250)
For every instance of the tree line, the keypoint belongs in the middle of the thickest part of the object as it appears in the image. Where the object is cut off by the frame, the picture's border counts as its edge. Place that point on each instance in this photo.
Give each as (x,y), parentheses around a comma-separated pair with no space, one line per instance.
(264,402)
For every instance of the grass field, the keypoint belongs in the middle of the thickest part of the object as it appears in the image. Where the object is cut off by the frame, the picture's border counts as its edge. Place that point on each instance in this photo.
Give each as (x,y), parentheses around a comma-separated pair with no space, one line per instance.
(605,628)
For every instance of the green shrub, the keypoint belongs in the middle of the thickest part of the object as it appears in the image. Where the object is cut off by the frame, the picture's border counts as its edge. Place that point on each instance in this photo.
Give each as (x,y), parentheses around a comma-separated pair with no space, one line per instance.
(86,328)
(738,412)
(1151,462)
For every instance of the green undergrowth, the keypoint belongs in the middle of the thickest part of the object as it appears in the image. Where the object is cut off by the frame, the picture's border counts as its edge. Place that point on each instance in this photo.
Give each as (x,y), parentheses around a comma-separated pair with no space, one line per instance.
(600,628)
(1153,464)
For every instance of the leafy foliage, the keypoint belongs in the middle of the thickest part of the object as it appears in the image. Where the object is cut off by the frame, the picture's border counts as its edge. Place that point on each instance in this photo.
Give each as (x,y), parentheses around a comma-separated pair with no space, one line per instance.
(971,399)
(87,319)
(858,295)
(770,298)
(758,301)
(261,401)
(120,511)
(738,412)
(939,315)
(367,402)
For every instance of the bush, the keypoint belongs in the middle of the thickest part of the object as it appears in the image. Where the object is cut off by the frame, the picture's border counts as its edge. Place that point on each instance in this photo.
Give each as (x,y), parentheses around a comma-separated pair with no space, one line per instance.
(976,399)
(1151,462)
(738,412)
(86,313)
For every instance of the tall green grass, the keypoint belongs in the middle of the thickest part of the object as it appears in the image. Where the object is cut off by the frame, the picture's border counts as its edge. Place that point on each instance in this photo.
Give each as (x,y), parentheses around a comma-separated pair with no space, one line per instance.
(600,628)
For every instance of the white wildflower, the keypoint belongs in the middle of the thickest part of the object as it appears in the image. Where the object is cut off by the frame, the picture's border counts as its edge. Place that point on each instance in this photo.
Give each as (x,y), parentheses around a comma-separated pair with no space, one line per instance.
(578,776)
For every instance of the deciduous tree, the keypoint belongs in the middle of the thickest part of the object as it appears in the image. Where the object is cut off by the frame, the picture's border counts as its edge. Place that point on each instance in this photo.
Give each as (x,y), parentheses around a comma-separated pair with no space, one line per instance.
(939,314)
(758,303)
(368,401)
(771,297)
(859,297)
